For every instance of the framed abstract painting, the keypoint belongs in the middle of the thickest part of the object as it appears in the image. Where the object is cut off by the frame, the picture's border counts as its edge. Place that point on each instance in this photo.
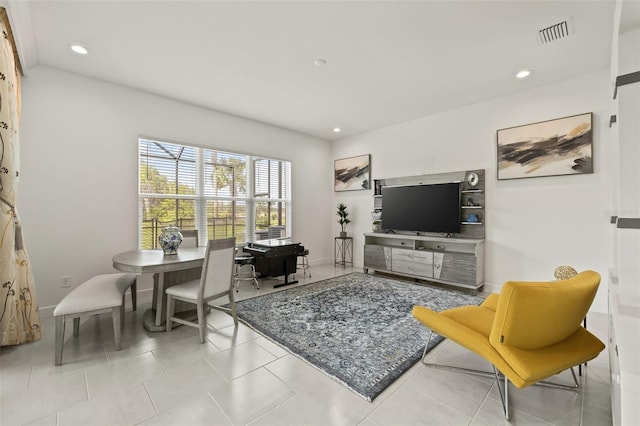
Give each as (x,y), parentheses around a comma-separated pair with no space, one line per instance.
(353,173)
(563,146)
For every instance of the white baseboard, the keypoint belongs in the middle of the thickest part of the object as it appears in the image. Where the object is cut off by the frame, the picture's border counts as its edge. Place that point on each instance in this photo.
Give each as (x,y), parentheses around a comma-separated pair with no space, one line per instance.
(491,288)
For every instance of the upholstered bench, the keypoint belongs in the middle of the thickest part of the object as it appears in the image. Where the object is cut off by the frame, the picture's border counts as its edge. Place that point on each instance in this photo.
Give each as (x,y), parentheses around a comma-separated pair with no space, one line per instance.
(99,294)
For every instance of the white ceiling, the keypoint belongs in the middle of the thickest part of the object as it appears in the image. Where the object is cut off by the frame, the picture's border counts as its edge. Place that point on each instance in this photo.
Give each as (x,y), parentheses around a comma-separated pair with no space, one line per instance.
(387,62)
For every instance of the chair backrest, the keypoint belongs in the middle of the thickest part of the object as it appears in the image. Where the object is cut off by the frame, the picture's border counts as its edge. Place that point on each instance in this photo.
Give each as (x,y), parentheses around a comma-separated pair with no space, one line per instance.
(533,315)
(276,231)
(217,270)
(189,238)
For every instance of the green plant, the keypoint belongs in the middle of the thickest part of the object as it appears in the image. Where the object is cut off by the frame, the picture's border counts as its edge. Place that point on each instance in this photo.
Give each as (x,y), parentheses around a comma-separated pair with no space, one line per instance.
(343,215)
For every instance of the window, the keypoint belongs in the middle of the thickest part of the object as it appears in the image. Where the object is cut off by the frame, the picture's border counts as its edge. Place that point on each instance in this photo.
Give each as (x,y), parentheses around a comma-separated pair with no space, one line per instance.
(224,193)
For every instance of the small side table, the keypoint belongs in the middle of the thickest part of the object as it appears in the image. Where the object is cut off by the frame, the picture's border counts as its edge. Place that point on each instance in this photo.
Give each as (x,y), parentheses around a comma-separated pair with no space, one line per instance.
(343,251)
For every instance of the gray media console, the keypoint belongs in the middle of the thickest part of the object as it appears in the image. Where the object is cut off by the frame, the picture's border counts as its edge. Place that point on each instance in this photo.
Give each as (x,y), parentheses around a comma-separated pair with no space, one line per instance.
(453,261)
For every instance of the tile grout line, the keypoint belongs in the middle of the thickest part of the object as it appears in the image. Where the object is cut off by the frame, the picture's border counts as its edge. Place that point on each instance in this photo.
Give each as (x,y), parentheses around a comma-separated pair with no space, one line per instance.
(224,413)
(162,367)
(486,397)
(150,399)
(86,385)
(30,378)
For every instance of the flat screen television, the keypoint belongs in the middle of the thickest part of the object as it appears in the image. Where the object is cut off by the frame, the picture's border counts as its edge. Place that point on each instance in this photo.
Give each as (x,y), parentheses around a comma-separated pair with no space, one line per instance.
(421,208)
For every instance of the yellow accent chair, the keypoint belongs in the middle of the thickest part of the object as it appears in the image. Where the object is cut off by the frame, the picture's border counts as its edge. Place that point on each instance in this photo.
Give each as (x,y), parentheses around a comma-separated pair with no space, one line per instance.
(529,332)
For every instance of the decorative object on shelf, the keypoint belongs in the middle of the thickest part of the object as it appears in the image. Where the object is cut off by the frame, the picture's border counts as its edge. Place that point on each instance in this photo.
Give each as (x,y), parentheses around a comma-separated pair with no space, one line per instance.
(376,215)
(343,220)
(472,218)
(170,239)
(352,173)
(473,179)
(377,187)
(564,272)
(563,146)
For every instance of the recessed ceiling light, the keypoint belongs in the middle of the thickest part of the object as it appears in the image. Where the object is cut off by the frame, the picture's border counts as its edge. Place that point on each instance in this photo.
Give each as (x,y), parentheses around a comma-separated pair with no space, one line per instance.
(320,62)
(337,130)
(523,74)
(81,50)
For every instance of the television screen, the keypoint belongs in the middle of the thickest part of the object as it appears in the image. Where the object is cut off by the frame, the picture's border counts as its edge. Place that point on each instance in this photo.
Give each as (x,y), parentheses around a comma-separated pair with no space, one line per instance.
(421,208)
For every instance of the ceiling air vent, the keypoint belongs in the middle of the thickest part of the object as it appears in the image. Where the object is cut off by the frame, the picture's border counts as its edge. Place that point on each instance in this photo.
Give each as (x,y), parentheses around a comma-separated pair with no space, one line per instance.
(555,32)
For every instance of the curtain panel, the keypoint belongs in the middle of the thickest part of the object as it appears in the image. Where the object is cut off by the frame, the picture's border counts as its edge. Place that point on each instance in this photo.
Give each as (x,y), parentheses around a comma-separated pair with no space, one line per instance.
(19,317)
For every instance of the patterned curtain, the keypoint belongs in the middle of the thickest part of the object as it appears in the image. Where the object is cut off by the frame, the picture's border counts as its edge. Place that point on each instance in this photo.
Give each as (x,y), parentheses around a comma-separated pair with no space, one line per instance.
(19,317)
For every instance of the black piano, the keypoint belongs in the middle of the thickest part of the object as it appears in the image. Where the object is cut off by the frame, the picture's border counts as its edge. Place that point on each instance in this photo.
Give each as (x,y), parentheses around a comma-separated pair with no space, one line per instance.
(276,257)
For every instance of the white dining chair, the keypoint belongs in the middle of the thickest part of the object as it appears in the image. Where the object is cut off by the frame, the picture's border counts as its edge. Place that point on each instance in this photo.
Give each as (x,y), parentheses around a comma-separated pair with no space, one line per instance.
(189,238)
(215,282)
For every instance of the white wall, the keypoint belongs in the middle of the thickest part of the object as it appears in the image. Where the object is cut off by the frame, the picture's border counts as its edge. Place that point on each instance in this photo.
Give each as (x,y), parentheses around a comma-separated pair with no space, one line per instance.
(78,184)
(532,225)
(78,191)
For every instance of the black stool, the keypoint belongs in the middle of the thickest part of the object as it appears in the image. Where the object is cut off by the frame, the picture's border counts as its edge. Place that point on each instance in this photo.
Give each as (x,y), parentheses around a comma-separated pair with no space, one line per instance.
(245,270)
(303,262)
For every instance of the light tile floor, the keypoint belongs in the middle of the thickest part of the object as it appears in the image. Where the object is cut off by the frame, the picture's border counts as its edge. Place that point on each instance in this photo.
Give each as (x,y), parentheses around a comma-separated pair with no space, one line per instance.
(240,378)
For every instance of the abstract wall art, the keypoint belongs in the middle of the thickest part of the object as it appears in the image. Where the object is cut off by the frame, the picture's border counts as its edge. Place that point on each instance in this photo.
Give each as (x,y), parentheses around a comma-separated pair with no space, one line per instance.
(563,146)
(352,173)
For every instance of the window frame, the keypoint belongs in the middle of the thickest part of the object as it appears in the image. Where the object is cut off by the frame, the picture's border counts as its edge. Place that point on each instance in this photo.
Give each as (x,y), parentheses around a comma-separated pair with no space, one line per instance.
(201,200)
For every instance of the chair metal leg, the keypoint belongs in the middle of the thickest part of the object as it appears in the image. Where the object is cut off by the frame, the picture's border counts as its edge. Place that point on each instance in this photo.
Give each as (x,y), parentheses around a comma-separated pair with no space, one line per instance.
(450,367)
(504,394)
(59,340)
(255,280)
(504,390)
(117,319)
(576,384)
(241,275)
(304,265)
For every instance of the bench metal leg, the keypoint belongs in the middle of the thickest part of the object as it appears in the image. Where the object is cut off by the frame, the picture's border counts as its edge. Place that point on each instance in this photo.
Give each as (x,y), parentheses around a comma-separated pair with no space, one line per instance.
(115,314)
(59,339)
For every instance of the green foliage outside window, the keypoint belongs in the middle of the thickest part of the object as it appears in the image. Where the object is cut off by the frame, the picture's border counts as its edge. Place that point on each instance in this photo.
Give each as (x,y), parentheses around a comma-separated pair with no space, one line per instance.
(169,176)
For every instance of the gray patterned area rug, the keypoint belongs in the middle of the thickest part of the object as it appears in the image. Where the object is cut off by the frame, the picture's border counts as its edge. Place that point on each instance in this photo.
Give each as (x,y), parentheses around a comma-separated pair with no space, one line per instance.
(356,328)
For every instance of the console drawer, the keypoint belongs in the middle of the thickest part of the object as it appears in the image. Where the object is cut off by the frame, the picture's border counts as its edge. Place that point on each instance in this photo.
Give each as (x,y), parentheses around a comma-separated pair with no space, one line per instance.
(412,256)
(413,268)
(413,262)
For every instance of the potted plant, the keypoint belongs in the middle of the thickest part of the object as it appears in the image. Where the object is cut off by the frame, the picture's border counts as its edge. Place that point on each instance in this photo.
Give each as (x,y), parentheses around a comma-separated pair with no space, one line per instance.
(376,215)
(343,220)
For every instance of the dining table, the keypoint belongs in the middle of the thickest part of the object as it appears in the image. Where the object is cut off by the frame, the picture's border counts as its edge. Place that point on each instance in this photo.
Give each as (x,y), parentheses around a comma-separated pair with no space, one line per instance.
(167,270)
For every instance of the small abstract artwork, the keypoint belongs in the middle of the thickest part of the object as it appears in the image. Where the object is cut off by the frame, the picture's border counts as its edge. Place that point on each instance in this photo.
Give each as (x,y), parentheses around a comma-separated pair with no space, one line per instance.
(563,146)
(352,173)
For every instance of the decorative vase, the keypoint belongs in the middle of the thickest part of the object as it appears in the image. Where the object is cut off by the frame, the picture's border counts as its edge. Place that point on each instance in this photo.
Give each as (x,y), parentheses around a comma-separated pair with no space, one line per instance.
(343,234)
(170,239)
